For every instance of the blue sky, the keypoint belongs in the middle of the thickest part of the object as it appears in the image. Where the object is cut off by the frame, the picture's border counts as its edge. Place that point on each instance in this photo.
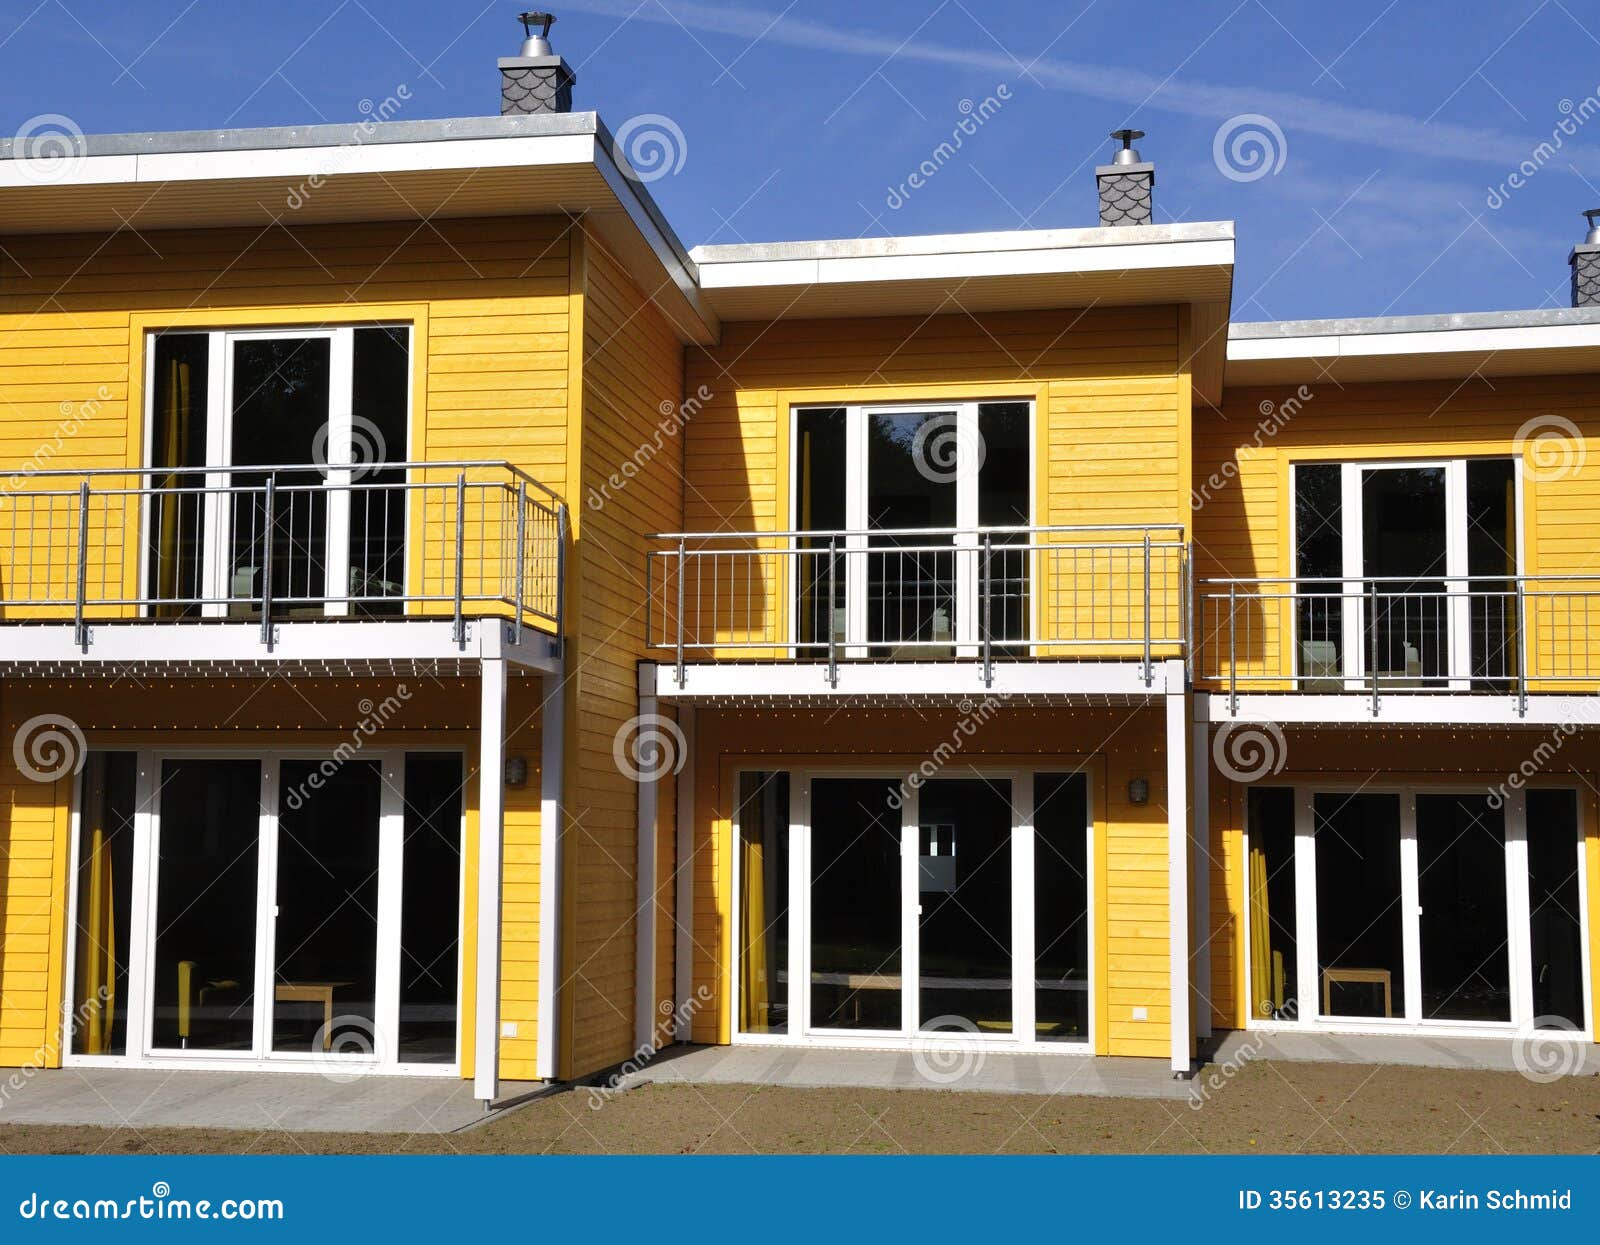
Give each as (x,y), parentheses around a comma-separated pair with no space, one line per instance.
(1389,131)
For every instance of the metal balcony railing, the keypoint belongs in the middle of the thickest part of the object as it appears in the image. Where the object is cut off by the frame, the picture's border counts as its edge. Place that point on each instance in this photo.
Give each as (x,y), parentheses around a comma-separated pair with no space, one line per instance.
(278,542)
(1508,634)
(986,594)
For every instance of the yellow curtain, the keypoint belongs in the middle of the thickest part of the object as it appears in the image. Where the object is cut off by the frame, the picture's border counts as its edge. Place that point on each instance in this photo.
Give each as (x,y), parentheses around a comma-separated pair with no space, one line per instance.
(174,436)
(754,999)
(97,945)
(1266,977)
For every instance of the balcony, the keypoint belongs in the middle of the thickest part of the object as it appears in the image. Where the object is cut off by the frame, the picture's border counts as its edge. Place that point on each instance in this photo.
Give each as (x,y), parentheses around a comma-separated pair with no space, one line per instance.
(1382,637)
(989,597)
(274,548)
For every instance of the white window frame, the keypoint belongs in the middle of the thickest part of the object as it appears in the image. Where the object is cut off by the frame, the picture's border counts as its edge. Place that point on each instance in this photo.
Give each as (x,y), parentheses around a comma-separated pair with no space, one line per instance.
(800,1031)
(1309,1017)
(1352,533)
(965,625)
(141,1049)
(216,541)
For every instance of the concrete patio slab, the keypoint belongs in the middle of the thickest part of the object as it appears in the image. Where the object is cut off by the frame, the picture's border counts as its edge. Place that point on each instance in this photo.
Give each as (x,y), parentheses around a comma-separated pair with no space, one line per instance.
(1540,1054)
(262,1101)
(974,1071)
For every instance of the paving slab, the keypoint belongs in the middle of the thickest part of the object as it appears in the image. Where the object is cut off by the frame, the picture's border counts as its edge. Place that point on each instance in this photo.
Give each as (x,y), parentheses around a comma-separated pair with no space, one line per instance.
(1541,1054)
(269,1101)
(973,1071)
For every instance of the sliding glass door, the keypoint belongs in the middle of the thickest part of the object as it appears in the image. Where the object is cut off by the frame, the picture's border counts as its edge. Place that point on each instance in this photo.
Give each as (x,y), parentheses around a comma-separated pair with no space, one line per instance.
(890,508)
(1406,571)
(1418,908)
(333,402)
(237,908)
(945,907)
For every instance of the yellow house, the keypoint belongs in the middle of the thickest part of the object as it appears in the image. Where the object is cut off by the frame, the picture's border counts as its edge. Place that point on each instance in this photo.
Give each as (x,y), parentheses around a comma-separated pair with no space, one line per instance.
(449,628)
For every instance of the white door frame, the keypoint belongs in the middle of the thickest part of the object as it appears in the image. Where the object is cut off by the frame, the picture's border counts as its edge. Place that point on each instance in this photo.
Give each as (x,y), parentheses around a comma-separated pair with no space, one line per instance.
(965,625)
(142,1051)
(1518,923)
(215,510)
(800,1031)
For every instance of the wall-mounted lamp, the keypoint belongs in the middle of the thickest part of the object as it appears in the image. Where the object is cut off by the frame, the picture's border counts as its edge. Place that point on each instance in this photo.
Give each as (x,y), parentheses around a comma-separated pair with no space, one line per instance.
(1138,791)
(516,771)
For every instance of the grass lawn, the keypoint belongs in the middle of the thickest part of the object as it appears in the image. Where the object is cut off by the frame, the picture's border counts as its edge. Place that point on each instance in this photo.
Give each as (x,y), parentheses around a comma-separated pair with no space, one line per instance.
(1267,1107)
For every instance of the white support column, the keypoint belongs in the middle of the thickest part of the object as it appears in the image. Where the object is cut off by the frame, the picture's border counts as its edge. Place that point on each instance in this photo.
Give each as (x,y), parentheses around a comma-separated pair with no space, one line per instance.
(552,762)
(1201,771)
(491,840)
(644,915)
(1178,861)
(683,908)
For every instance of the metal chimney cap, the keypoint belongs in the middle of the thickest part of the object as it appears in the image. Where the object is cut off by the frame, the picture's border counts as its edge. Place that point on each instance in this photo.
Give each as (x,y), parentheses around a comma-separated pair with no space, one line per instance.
(536,44)
(1593,237)
(1129,153)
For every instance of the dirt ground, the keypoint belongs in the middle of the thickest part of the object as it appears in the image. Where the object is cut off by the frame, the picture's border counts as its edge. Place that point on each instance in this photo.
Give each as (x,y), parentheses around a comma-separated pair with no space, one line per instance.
(1265,1108)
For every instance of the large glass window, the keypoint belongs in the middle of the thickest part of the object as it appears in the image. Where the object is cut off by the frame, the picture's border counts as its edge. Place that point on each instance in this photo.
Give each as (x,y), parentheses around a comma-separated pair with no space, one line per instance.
(430,909)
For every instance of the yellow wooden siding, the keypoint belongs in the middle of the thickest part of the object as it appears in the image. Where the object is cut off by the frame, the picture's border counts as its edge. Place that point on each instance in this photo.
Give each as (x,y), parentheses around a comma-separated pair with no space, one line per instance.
(488,299)
(631,381)
(1241,491)
(1111,398)
(1130,867)
(1466,759)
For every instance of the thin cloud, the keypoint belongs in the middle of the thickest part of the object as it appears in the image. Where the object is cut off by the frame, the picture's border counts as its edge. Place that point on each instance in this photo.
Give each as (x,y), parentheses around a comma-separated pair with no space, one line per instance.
(1369,127)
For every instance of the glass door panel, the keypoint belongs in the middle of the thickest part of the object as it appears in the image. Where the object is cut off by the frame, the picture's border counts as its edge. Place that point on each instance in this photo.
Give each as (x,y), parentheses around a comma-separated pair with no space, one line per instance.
(1404,540)
(911,579)
(208,851)
(1360,922)
(101,994)
(964,905)
(855,937)
(1555,895)
(430,909)
(280,415)
(1061,907)
(821,505)
(1274,919)
(326,932)
(1461,890)
(179,445)
(764,902)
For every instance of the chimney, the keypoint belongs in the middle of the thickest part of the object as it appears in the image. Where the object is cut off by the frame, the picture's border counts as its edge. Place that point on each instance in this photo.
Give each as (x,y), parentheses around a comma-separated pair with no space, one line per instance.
(1126,184)
(536,79)
(1585,261)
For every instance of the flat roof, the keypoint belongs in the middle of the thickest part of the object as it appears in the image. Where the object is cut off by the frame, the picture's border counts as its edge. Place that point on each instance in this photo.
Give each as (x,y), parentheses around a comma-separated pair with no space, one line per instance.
(1548,341)
(554,163)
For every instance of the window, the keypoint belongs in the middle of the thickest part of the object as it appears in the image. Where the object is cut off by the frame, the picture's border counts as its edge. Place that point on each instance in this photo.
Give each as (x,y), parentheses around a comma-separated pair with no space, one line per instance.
(334,403)
(1406,573)
(909,519)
